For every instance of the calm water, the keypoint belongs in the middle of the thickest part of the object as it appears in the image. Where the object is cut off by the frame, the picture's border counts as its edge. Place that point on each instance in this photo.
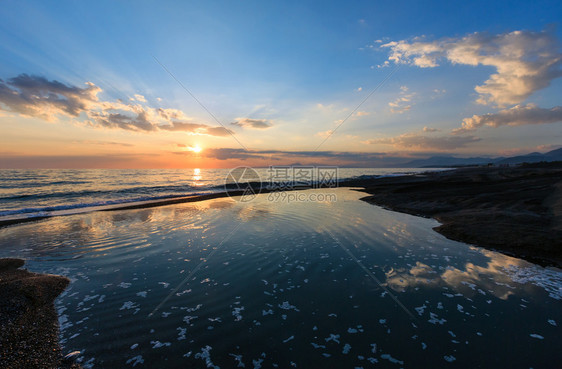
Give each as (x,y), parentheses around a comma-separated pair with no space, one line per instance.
(334,284)
(41,192)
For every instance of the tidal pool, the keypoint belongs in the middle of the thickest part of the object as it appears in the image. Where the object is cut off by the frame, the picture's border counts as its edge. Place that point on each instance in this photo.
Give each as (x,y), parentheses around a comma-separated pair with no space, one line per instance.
(273,284)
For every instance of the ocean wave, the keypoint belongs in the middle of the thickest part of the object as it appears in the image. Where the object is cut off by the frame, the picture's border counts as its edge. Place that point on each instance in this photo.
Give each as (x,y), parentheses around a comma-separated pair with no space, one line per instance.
(45,211)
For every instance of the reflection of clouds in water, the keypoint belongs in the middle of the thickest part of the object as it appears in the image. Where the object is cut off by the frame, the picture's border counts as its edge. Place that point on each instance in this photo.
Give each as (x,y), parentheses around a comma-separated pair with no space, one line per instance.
(420,274)
(259,212)
(399,233)
(496,277)
(223,204)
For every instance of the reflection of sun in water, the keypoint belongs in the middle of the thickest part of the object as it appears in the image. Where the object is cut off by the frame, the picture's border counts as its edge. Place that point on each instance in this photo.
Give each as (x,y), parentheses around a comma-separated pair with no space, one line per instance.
(196,174)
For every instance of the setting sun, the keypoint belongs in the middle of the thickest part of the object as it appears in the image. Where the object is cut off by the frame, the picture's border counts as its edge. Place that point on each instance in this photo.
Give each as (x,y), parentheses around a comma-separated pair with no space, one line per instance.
(278,184)
(196,149)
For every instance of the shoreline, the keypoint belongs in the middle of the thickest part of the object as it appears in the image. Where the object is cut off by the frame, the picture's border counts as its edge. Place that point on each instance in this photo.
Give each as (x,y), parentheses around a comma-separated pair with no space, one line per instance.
(135,205)
(516,211)
(29,328)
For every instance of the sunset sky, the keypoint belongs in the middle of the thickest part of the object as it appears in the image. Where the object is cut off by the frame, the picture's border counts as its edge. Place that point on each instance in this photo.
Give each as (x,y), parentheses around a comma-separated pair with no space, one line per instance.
(146,84)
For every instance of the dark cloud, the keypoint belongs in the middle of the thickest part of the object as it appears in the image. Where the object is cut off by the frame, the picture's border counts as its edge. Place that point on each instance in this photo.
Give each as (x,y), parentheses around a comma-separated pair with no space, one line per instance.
(253,123)
(307,157)
(183,127)
(415,141)
(137,122)
(38,97)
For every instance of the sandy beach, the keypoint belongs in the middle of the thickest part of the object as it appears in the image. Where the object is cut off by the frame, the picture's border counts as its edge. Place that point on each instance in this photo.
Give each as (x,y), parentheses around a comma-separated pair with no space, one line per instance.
(29,334)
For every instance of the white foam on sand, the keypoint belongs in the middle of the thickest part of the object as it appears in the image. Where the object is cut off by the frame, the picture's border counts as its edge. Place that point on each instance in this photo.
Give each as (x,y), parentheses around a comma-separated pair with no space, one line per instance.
(136,360)
(237,313)
(549,279)
(205,355)
(391,359)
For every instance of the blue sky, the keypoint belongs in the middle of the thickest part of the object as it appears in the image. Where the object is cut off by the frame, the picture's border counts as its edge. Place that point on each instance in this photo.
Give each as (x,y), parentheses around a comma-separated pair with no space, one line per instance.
(297,67)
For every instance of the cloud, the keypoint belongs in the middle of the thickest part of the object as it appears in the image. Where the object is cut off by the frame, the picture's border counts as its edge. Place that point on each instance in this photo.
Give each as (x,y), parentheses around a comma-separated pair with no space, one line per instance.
(362,113)
(516,116)
(253,123)
(525,61)
(416,141)
(402,102)
(36,96)
(218,131)
(139,98)
(429,129)
(104,143)
(325,134)
(228,153)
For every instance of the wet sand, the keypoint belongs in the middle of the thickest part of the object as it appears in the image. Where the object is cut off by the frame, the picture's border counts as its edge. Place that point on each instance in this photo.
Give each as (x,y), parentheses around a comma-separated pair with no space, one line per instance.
(516,211)
(28,321)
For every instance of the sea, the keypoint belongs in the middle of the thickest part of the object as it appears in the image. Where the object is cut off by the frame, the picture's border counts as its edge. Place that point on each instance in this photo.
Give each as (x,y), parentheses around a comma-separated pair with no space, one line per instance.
(318,279)
(48,192)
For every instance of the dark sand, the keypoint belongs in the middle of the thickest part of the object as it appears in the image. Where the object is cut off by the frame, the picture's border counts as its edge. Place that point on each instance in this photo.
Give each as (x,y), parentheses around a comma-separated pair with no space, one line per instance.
(516,211)
(28,321)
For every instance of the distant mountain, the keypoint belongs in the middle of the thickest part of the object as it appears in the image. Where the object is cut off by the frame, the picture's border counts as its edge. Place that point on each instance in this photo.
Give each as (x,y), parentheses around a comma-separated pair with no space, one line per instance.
(451,161)
(534,157)
(447,161)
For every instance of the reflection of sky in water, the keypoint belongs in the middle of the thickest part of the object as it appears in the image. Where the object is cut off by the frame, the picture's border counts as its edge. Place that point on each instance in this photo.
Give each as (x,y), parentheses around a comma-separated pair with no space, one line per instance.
(265,284)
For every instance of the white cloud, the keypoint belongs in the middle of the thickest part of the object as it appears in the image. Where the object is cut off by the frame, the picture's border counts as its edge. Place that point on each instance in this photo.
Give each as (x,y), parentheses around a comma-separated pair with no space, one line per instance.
(429,129)
(139,98)
(403,102)
(516,116)
(525,61)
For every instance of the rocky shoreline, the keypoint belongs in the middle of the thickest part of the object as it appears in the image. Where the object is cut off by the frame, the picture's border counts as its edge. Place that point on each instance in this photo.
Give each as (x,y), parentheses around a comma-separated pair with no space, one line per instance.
(516,211)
